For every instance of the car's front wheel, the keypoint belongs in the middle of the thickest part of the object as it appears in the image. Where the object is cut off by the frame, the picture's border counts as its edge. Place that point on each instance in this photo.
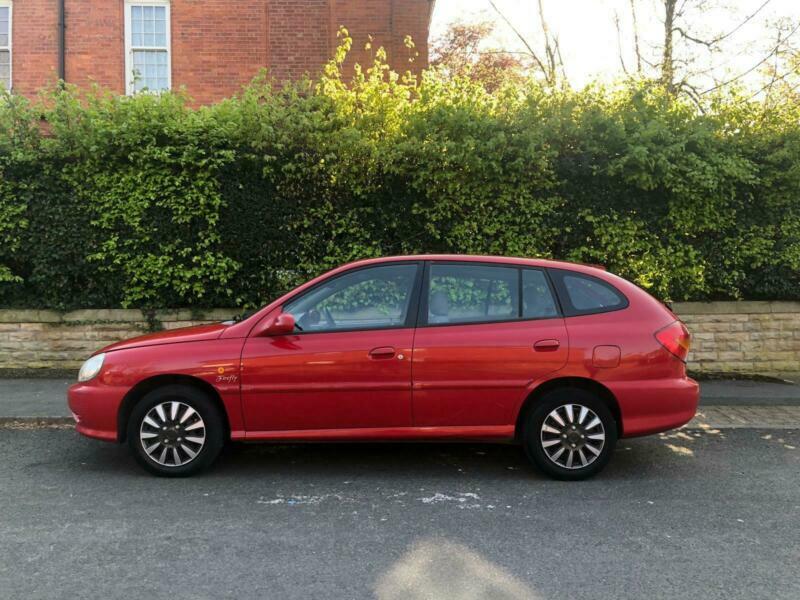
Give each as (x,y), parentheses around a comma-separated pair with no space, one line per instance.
(570,434)
(175,431)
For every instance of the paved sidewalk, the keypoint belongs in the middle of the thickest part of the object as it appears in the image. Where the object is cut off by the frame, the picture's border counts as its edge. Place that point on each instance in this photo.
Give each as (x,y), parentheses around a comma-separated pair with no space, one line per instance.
(34,398)
(723,403)
(750,393)
(740,416)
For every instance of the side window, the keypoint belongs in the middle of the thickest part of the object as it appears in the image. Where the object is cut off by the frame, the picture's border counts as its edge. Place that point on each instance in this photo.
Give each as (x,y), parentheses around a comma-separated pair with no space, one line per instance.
(371,298)
(147,46)
(460,293)
(584,294)
(537,299)
(5,45)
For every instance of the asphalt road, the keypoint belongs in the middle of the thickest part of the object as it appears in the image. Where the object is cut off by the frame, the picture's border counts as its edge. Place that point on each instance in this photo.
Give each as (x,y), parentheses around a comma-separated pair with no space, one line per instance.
(712,514)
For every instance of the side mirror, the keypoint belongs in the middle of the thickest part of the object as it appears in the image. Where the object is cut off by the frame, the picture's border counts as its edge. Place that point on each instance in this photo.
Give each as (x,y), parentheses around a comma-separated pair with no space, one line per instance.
(283,324)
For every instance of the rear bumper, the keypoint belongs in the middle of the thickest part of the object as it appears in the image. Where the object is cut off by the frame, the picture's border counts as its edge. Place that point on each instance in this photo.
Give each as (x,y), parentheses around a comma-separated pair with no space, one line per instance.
(656,405)
(95,408)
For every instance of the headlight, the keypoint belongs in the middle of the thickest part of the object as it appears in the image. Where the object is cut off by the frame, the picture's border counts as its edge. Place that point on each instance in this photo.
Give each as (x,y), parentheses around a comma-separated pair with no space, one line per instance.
(91,367)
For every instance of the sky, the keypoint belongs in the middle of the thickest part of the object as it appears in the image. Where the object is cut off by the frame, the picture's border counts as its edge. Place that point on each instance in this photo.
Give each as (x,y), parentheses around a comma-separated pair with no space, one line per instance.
(590,44)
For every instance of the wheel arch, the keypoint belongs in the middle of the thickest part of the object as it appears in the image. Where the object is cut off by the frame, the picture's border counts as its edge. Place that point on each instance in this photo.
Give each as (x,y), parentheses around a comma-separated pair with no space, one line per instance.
(144,387)
(583,383)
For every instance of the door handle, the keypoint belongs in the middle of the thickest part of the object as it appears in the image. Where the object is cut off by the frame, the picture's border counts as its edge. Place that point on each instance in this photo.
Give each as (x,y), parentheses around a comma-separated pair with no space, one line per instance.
(546,345)
(382,352)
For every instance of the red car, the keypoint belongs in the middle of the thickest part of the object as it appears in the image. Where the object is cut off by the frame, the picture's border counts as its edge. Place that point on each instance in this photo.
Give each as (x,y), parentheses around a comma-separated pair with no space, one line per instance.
(562,358)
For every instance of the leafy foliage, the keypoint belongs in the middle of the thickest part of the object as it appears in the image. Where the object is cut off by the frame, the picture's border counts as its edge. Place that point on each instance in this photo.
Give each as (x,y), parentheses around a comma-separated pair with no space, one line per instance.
(149,202)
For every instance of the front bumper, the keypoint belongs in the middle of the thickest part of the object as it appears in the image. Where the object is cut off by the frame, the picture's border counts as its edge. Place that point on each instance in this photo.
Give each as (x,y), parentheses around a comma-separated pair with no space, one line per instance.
(95,408)
(656,405)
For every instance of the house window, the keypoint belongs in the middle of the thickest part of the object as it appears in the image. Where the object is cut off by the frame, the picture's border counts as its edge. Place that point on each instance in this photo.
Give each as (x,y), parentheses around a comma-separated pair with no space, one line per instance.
(5,45)
(147,59)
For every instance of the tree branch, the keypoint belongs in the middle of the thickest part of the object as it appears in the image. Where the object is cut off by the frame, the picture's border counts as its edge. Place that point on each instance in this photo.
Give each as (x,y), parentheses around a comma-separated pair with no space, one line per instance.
(636,37)
(691,38)
(521,38)
(755,66)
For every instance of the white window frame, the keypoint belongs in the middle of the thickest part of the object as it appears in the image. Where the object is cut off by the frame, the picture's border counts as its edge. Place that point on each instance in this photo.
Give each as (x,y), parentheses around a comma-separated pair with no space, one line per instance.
(10,48)
(129,79)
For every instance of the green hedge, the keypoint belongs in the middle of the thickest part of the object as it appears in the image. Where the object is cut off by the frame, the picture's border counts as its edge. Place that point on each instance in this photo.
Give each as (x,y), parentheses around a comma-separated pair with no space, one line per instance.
(147,202)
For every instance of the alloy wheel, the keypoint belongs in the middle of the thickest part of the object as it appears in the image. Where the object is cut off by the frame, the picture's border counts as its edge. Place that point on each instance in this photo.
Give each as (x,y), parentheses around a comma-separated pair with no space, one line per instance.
(572,436)
(172,433)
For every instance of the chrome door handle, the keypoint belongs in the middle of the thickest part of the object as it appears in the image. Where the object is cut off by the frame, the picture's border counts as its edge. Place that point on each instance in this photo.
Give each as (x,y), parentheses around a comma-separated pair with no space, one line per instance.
(546,345)
(382,352)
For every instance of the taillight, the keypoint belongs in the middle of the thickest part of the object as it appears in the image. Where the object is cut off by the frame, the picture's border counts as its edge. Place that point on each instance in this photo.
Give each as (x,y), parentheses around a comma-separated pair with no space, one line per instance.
(675,338)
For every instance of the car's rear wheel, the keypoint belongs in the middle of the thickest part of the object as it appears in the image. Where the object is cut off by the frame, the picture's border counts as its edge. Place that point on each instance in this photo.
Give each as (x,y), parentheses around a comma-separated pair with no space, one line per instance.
(175,431)
(570,434)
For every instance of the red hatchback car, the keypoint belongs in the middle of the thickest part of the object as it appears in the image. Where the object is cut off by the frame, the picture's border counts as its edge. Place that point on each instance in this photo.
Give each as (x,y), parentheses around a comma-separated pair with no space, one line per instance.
(562,358)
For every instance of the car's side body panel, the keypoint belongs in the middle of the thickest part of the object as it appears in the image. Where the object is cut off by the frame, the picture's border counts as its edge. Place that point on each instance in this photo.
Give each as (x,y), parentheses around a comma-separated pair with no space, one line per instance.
(476,375)
(319,381)
(475,432)
(96,403)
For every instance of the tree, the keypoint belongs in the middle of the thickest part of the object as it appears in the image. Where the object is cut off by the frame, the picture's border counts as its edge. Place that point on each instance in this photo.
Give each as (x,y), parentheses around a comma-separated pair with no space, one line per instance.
(461,52)
(547,61)
(674,55)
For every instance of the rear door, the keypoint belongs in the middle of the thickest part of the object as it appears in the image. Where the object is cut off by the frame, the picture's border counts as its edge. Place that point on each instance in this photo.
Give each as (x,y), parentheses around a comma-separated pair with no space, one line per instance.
(485,332)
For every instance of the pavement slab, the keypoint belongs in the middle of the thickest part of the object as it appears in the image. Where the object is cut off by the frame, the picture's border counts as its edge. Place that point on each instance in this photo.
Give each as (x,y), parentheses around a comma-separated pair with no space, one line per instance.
(34,397)
(738,416)
(750,393)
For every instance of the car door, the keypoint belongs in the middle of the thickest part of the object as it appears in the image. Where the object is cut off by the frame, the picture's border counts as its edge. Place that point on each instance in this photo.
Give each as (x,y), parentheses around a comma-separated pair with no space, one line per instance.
(485,332)
(348,362)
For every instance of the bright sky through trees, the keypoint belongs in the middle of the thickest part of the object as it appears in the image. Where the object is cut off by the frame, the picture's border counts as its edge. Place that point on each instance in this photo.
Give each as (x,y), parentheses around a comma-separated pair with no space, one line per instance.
(591,45)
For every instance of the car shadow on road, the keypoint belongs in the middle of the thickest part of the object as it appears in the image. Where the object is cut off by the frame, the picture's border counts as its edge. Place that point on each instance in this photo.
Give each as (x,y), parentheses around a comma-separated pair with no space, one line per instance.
(447,460)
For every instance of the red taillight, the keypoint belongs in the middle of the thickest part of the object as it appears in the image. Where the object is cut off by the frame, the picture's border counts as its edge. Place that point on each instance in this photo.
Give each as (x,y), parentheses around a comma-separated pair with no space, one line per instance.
(675,338)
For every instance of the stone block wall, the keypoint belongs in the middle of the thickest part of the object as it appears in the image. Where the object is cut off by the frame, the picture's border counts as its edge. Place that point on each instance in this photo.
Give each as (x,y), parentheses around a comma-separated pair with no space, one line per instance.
(33,339)
(728,337)
(743,337)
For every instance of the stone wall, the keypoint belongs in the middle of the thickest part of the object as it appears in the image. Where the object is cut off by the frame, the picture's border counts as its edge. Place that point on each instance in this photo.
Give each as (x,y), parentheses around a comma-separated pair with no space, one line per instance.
(743,337)
(33,339)
(728,337)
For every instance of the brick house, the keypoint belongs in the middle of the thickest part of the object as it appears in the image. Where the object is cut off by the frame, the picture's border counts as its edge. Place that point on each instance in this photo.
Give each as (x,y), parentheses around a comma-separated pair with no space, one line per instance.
(210,47)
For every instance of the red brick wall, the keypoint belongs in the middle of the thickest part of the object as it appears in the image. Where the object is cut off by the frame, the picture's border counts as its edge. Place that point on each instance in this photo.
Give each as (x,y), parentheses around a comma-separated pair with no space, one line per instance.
(299,37)
(388,22)
(94,42)
(34,45)
(217,45)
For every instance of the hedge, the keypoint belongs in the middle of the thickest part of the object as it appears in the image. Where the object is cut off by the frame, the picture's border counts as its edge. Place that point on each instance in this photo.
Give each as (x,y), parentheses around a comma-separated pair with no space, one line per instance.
(148,201)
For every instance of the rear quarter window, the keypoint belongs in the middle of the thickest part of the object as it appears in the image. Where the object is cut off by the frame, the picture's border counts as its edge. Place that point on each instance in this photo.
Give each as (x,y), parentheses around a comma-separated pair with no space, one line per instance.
(582,294)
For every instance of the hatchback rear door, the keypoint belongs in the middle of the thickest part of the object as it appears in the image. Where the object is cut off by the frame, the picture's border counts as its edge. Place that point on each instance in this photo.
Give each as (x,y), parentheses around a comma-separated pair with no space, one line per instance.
(485,332)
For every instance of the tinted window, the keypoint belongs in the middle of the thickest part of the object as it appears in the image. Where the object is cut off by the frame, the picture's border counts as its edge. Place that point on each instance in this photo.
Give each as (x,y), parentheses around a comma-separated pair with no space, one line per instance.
(537,299)
(372,298)
(584,294)
(472,293)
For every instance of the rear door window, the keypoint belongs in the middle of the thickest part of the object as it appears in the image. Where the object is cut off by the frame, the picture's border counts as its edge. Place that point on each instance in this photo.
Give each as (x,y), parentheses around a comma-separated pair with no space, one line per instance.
(470,293)
(583,294)
(537,299)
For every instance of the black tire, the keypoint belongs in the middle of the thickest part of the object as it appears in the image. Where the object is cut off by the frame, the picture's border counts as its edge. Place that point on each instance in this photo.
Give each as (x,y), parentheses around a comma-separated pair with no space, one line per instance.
(206,421)
(572,438)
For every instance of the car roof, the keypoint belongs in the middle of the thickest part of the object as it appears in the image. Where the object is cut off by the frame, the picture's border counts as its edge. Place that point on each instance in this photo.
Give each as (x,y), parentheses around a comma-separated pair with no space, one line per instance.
(515,260)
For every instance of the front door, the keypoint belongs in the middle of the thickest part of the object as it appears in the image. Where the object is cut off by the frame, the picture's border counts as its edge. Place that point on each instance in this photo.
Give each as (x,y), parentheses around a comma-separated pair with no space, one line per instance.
(486,332)
(347,364)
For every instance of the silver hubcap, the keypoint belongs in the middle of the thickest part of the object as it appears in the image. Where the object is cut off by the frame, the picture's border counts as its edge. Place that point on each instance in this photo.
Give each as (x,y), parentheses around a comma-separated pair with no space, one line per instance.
(572,436)
(172,433)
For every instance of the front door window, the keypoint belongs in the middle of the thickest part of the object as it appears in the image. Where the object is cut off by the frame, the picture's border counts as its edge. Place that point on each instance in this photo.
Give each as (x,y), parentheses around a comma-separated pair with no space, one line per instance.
(372,298)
